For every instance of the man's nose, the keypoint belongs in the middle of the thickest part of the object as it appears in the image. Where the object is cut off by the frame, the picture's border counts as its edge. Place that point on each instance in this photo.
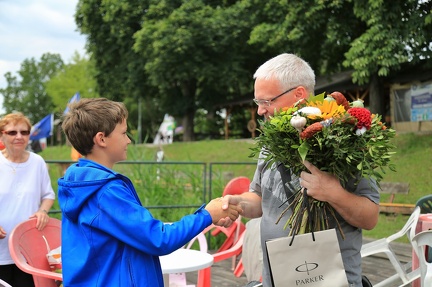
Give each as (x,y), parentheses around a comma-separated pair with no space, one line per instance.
(262,110)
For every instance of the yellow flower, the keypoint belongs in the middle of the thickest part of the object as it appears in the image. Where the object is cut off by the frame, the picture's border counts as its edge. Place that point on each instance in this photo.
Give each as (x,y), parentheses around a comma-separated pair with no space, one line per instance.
(329,109)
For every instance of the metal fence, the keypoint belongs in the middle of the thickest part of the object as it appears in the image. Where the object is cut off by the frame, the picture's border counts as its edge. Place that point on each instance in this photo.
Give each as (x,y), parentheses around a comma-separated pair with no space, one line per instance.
(167,185)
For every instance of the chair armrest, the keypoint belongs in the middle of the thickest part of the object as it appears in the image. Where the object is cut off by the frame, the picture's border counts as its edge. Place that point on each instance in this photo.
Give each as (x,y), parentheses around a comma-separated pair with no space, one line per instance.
(24,266)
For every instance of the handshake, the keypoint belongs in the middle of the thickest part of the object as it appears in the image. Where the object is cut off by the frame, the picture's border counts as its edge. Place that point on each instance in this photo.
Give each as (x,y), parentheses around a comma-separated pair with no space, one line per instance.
(223,213)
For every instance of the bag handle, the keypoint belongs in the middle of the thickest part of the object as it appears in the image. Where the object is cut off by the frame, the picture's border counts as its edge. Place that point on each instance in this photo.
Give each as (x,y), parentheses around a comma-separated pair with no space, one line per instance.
(285,174)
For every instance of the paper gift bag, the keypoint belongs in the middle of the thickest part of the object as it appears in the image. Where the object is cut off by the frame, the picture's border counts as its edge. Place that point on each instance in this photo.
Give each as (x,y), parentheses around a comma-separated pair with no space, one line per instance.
(307,262)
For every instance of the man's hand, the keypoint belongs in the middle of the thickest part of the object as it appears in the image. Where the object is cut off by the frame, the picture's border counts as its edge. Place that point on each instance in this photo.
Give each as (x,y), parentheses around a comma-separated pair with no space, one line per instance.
(319,184)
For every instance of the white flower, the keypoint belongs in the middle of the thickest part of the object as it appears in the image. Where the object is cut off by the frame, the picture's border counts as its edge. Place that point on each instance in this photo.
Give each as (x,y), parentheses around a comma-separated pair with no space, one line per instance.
(310,111)
(361,131)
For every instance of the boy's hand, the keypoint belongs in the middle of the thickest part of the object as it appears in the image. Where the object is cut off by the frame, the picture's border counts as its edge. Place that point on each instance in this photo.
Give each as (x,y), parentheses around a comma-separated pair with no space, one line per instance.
(214,207)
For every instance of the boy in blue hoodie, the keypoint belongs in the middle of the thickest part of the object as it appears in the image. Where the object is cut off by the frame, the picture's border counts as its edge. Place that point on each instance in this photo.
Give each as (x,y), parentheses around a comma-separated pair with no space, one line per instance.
(108,237)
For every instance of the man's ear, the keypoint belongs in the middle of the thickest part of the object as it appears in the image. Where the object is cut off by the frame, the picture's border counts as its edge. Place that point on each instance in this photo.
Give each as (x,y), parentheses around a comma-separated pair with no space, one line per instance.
(301,93)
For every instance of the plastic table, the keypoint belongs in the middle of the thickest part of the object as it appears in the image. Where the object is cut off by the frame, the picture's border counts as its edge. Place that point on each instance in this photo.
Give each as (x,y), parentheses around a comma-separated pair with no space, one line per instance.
(187,260)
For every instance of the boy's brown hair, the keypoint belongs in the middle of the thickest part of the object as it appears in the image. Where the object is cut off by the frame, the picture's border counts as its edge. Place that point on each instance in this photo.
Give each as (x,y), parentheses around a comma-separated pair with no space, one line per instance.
(87,117)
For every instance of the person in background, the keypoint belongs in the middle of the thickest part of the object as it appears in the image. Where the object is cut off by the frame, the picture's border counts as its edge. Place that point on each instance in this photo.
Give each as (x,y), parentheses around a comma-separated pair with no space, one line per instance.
(281,82)
(109,238)
(75,155)
(25,191)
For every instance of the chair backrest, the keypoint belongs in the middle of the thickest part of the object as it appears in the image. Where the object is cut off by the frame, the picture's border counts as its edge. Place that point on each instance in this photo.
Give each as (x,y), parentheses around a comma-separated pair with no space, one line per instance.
(28,248)
(425,204)
(202,241)
(422,243)
(409,229)
(237,185)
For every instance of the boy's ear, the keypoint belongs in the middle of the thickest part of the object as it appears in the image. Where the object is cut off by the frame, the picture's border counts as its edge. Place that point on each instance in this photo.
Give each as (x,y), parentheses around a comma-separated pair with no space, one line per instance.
(99,139)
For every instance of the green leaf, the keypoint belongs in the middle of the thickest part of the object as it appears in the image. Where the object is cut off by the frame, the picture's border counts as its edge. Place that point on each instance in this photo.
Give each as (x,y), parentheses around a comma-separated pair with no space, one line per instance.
(303,150)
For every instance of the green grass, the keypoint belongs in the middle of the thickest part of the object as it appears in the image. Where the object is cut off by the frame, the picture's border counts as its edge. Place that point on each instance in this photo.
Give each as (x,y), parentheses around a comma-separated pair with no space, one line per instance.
(183,183)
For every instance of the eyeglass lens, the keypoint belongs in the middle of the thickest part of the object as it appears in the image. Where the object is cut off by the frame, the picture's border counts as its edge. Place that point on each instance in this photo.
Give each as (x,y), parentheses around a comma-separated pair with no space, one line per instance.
(14,133)
(267,103)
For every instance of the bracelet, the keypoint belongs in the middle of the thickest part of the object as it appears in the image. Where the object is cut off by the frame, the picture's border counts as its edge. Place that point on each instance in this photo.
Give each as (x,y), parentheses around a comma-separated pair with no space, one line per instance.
(43,210)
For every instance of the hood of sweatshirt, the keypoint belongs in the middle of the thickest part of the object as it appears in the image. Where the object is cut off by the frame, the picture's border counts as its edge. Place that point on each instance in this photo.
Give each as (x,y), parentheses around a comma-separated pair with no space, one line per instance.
(80,182)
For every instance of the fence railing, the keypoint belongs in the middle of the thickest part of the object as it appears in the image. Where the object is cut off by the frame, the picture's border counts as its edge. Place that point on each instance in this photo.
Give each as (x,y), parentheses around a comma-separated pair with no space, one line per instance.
(181,180)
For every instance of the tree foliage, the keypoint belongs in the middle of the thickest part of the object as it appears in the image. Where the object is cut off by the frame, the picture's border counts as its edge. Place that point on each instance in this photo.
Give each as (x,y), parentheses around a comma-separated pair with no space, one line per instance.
(396,32)
(195,55)
(178,56)
(370,37)
(28,94)
(110,26)
(77,76)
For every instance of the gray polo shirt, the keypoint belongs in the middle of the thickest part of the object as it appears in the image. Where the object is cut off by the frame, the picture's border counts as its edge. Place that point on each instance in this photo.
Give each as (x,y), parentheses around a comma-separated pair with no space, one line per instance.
(267,183)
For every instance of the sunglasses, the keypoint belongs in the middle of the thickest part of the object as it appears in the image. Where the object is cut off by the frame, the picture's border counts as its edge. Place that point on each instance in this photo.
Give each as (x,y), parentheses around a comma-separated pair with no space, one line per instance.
(14,133)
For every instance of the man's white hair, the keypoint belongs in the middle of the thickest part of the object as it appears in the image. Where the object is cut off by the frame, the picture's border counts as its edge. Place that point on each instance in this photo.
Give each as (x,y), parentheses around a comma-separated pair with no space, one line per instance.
(290,70)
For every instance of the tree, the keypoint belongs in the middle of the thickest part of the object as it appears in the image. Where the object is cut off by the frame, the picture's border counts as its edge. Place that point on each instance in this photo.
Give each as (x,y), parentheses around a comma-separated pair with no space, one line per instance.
(28,94)
(371,37)
(181,55)
(119,71)
(77,76)
(192,51)
(187,54)
(110,26)
(397,32)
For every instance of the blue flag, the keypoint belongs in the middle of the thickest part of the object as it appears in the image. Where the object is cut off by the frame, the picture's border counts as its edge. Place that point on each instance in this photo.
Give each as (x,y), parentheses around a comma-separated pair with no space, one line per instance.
(75,98)
(42,129)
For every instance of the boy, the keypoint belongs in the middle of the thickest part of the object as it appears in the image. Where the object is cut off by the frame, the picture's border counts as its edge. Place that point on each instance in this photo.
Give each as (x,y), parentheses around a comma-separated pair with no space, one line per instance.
(108,237)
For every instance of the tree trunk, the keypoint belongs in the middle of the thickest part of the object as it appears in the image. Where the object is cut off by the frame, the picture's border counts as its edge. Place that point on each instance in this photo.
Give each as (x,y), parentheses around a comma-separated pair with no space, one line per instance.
(376,95)
(188,90)
(188,127)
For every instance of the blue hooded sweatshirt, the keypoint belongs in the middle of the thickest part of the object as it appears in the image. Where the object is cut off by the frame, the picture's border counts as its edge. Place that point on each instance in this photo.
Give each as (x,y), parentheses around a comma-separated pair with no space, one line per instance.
(108,237)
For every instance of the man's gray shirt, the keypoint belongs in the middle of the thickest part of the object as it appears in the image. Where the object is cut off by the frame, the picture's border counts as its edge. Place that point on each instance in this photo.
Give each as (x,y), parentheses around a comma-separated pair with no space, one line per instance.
(267,183)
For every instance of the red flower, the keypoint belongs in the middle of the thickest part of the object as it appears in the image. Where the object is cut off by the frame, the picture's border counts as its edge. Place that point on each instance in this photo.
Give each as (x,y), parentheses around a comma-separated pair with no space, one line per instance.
(363,117)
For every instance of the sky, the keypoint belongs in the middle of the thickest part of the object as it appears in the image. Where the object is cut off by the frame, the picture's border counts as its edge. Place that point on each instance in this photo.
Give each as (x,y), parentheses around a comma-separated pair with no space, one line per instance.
(30,28)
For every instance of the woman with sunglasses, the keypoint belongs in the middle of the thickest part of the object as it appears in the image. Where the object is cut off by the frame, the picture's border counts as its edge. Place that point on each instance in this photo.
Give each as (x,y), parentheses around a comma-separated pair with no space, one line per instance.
(25,190)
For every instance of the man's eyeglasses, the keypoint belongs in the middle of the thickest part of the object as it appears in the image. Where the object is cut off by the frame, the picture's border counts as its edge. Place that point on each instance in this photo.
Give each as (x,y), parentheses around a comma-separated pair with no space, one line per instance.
(14,133)
(267,103)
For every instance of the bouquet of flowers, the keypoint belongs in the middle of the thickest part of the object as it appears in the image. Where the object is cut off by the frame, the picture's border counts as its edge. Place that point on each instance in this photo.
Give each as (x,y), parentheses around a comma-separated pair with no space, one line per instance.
(336,136)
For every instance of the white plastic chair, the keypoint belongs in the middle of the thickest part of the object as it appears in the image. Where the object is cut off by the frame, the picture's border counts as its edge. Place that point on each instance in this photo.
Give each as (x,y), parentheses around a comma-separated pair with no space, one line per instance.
(4,284)
(404,271)
(179,279)
(422,242)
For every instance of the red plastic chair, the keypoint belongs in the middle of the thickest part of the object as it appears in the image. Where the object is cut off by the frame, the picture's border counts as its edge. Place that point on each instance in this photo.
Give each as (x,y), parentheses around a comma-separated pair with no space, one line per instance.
(235,186)
(29,246)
